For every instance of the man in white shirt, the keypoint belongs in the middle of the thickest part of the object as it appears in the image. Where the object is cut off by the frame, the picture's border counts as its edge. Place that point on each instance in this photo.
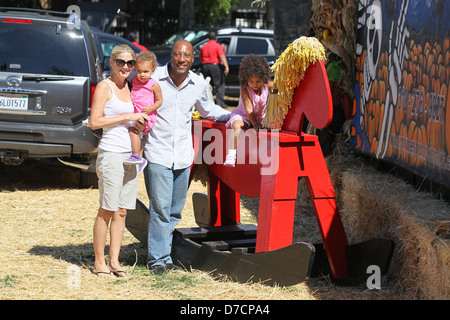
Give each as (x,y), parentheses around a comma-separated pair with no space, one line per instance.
(169,149)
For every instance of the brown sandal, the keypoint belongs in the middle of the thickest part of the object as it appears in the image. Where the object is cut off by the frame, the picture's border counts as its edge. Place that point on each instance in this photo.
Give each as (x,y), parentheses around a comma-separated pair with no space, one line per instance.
(119,273)
(98,273)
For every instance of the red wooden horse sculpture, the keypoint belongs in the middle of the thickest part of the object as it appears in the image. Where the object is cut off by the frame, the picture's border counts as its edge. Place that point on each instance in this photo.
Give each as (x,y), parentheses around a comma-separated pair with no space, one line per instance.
(299,155)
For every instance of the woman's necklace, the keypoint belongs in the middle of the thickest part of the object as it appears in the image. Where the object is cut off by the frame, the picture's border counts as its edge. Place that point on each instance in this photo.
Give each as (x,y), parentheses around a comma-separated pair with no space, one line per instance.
(119,86)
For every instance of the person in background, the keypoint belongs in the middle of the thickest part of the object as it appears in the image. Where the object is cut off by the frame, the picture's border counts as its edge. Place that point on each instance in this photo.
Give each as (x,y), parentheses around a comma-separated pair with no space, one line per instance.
(169,150)
(133,38)
(214,65)
(113,110)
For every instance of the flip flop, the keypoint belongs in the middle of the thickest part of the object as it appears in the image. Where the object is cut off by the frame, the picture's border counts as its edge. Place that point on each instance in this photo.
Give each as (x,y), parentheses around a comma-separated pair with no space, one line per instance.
(119,273)
(99,273)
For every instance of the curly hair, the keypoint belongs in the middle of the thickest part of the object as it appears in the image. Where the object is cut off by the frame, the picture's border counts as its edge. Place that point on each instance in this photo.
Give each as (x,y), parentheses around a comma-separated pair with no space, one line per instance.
(147,56)
(254,65)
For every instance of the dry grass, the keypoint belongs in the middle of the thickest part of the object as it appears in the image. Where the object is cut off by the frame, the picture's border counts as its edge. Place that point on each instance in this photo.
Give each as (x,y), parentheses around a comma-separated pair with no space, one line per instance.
(46,249)
(379,204)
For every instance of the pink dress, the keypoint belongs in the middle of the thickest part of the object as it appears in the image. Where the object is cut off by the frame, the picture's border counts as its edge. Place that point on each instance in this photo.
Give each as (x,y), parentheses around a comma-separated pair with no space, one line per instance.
(259,106)
(142,96)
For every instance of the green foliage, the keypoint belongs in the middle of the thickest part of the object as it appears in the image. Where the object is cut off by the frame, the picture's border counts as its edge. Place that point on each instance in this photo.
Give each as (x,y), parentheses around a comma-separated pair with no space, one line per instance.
(8,281)
(213,12)
(170,281)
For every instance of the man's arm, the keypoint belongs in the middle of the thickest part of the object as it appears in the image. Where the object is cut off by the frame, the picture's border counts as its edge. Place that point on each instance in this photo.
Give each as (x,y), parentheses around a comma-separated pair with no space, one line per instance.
(209,110)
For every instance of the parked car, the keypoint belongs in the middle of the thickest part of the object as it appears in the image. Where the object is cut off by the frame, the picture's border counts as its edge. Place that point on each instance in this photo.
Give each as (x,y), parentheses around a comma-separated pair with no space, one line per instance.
(105,42)
(238,43)
(190,35)
(49,68)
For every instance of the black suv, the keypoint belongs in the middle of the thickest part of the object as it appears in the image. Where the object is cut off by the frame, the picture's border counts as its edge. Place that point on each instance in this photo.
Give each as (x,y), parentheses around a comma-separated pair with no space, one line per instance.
(49,67)
(238,43)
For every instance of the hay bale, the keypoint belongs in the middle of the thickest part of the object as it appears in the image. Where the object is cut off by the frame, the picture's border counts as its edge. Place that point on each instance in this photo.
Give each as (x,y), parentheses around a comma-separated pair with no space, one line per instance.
(201,174)
(373,204)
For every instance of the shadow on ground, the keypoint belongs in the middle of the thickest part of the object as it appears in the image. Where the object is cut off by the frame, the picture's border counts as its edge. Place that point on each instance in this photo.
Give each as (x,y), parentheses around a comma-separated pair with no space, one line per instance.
(35,175)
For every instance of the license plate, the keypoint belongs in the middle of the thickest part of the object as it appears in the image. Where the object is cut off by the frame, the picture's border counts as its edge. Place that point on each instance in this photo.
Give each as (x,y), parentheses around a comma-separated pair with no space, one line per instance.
(14,102)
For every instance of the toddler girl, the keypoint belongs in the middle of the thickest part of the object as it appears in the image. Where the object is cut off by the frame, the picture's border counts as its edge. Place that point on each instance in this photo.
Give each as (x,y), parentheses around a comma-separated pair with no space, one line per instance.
(147,98)
(254,77)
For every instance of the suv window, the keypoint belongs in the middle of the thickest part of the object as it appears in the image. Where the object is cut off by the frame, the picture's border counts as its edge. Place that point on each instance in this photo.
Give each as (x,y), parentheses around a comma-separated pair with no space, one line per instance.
(189,35)
(58,52)
(224,41)
(247,46)
(107,44)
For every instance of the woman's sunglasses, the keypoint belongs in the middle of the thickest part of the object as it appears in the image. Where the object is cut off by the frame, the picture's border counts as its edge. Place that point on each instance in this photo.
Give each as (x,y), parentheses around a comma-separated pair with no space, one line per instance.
(120,63)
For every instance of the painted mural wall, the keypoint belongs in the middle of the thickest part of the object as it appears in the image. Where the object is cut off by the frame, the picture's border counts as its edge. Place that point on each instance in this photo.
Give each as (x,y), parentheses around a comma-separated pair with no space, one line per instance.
(402,103)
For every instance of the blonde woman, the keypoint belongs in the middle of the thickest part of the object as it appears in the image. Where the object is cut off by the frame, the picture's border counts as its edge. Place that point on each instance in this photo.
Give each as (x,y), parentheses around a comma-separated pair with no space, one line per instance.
(113,111)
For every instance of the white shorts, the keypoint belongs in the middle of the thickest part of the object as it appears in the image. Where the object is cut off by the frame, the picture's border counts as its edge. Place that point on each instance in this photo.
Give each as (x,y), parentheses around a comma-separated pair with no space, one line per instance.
(117,183)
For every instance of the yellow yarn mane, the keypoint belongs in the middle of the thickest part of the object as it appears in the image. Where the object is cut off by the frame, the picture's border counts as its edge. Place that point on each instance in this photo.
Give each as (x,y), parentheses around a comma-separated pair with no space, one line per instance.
(289,70)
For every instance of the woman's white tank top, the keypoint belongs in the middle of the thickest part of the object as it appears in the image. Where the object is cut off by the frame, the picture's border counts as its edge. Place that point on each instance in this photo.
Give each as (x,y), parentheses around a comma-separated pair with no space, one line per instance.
(116,138)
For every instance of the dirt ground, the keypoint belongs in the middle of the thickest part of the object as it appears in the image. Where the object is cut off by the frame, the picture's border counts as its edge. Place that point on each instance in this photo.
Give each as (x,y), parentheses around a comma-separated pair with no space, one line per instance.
(46,249)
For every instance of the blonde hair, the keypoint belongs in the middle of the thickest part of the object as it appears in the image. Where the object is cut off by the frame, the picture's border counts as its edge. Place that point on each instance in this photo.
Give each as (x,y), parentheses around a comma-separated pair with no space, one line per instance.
(121,48)
(147,56)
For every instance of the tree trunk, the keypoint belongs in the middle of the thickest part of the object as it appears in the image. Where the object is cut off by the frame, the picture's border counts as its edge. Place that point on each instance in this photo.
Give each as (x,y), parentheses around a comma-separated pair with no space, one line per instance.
(187,19)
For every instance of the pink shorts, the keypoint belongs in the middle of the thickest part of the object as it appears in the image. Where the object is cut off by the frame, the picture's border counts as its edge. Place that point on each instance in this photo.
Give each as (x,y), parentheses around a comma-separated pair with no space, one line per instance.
(243,117)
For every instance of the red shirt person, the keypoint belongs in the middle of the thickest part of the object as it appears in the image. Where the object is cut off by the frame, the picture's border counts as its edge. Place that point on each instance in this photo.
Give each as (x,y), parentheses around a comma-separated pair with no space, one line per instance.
(133,37)
(215,65)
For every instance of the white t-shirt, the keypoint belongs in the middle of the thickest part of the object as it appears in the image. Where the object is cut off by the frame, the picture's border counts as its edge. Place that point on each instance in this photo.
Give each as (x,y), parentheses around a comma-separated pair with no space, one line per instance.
(116,138)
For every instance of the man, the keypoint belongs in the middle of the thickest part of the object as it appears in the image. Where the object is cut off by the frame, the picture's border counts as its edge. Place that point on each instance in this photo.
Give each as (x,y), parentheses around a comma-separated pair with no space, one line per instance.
(169,149)
(211,54)
(133,37)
